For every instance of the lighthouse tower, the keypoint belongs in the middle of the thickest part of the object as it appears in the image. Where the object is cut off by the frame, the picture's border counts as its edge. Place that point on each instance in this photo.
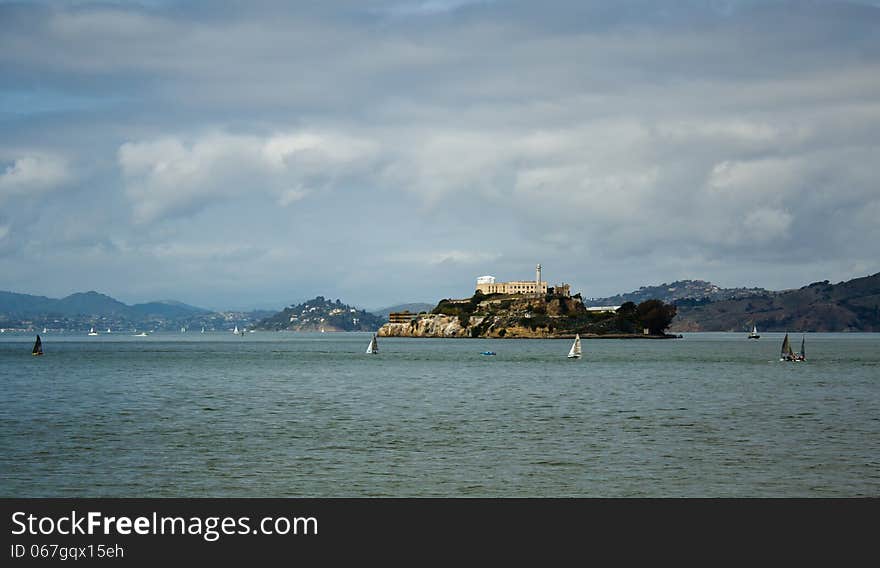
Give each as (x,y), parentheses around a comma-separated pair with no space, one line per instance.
(538,279)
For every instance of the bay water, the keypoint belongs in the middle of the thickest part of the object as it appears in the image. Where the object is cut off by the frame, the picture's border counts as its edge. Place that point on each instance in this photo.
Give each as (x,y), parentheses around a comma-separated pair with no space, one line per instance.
(312,415)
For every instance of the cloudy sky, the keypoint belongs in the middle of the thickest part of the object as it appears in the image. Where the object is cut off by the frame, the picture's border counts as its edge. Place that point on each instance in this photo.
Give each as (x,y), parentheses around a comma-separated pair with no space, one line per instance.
(250,154)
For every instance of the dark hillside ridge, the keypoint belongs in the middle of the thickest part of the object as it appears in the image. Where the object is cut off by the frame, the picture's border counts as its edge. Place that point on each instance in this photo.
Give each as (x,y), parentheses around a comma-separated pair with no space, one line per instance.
(853,305)
(678,290)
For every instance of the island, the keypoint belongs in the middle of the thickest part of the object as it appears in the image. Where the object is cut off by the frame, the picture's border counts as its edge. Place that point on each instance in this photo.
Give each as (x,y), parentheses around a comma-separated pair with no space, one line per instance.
(531,309)
(323,315)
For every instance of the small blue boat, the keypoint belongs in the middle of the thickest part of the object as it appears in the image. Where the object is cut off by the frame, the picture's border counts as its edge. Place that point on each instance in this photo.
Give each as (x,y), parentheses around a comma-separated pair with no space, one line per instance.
(487,353)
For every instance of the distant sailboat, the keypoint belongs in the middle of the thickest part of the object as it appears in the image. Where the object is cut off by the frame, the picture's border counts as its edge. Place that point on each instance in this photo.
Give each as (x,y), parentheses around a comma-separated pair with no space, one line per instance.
(575,351)
(754,333)
(788,354)
(373,348)
(203,330)
(235,331)
(38,347)
(93,332)
(802,356)
(182,330)
(44,330)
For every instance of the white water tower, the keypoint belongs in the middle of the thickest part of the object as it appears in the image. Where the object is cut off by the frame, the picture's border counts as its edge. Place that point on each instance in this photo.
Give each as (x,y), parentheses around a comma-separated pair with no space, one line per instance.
(538,278)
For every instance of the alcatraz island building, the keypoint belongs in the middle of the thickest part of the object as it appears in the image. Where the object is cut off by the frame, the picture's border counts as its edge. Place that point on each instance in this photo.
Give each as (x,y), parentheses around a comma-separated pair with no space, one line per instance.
(537,287)
(489,285)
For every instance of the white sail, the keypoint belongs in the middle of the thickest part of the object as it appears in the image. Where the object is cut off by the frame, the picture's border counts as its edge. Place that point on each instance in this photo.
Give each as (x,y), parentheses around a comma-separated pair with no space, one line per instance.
(374,345)
(235,331)
(93,332)
(575,351)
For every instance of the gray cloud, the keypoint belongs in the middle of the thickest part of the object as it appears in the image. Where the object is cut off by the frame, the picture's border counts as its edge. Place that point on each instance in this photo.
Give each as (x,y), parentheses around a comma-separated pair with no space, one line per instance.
(389,151)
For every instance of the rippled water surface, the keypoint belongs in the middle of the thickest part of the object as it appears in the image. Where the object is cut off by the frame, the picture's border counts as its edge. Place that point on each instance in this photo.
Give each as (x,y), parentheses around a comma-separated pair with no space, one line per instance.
(299,415)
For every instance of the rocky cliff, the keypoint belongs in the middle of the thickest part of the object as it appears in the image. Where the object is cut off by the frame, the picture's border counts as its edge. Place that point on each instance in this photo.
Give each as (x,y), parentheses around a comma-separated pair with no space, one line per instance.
(520,316)
(434,325)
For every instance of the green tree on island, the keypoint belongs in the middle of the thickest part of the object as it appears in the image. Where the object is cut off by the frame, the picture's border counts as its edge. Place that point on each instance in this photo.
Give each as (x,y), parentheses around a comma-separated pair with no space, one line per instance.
(655,315)
(626,318)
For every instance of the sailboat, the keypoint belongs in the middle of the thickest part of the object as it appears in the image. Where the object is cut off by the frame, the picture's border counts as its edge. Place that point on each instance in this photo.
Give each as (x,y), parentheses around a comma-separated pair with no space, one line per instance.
(575,351)
(373,348)
(802,355)
(44,330)
(93,332)
(754,333)
(203,330)
(38,347)
(235,331)
(788,354)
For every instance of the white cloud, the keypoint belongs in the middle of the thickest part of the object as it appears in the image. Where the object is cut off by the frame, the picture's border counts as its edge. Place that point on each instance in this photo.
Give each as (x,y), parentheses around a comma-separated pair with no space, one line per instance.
(33,173)
(168,178)
(469,257)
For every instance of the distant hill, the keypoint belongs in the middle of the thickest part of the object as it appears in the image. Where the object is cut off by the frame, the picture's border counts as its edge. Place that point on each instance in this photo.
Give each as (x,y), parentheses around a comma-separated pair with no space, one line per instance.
(80,303)
(678,290)
(414,308)
(321,314)
(23,305)
(91,303)
(83,310)
(168,309)
(821,306)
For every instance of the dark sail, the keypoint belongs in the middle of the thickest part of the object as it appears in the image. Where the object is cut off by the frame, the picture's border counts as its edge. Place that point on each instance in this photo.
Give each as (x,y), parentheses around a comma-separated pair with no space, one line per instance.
(803,353)
(38,347)
(787,352)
